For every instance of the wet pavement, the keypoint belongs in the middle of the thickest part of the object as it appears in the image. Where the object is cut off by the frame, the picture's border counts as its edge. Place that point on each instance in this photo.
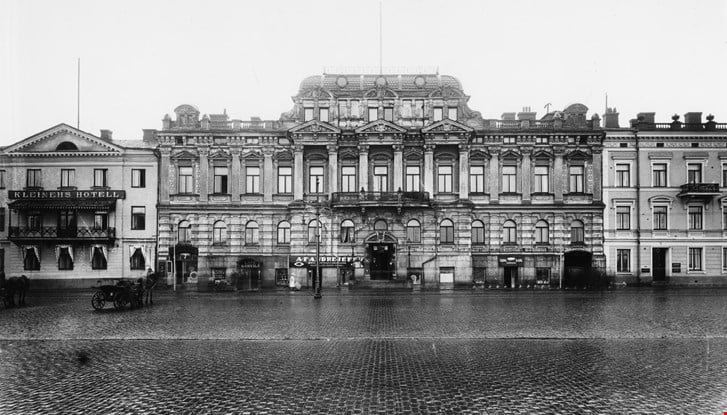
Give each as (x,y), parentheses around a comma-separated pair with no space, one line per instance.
(521,352)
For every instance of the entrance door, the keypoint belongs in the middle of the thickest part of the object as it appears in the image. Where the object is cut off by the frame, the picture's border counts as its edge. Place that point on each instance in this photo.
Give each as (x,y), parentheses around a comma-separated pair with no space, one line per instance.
(511,277)
(381,258)
(577,269)
(658,262)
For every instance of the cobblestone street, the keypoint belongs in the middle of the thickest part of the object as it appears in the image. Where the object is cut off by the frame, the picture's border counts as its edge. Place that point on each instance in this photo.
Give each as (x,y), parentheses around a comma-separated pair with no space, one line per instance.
(627,351)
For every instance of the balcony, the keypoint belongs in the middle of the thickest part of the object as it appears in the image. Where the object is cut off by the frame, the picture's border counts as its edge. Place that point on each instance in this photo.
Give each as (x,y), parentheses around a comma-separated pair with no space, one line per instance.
(702,191)
(53,233)
(380,199)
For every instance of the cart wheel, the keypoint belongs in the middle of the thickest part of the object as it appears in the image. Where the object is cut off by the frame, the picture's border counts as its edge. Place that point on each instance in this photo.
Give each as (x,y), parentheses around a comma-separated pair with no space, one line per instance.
(121,301)
(99,300)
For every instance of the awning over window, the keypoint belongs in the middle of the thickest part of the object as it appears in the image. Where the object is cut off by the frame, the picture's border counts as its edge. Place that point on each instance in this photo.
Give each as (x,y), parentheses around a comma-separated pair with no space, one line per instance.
(63,204)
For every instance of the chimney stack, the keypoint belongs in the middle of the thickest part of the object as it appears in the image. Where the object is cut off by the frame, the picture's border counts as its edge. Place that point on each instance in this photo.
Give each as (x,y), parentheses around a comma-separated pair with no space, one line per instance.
(106,134)
(526,114)
(693,118)
(508,116)
(150,136)
(610,118)
(646,117)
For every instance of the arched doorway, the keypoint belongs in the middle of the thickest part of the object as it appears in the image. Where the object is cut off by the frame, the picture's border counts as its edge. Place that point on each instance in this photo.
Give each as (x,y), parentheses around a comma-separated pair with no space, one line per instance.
(249,270)
(185,263)
(577,269)
(381,255)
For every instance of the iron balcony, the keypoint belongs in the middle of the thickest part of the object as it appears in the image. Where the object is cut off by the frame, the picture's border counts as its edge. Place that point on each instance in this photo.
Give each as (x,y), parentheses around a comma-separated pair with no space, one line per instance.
(54,233)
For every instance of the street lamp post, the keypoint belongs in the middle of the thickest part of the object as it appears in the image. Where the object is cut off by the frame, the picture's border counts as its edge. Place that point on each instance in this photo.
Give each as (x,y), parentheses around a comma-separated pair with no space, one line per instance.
(319,279)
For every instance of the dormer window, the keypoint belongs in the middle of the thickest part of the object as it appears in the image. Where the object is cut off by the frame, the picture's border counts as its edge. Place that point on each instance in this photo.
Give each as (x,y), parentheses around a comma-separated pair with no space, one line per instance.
(452,113)
(307,114)
(437,115)
(66,146)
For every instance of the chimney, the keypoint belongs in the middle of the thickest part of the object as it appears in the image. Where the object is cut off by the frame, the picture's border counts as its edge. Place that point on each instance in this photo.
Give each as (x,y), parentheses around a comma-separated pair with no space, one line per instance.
(508,116)
(106,134)
(150,136)
(693,118)
(610,118)
(166,122)
(526,114)
(646,117)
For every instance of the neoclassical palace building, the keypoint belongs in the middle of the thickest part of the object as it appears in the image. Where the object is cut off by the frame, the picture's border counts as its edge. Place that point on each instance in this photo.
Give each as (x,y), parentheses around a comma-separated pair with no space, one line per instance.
(393,178)
(76,208)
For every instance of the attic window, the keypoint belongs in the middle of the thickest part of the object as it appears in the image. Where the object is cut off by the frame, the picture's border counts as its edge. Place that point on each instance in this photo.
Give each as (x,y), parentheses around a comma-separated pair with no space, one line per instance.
(66,146)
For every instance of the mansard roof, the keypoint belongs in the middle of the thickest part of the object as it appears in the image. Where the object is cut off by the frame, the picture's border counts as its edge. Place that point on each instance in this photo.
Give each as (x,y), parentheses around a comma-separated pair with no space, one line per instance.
(358,84)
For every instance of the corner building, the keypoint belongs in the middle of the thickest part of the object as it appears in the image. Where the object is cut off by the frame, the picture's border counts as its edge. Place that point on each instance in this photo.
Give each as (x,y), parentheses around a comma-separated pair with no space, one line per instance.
(410,184)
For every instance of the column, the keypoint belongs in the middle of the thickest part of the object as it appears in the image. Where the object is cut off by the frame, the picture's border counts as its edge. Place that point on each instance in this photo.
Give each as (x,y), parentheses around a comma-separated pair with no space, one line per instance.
(363,167)
(558,178)
(429,169)
(494,178)
(332,169)
(203,173)
(526,175)
(598,171)
(235,174)
(164,179)
(398,167)
(298,173)
(464,170)
(267,177)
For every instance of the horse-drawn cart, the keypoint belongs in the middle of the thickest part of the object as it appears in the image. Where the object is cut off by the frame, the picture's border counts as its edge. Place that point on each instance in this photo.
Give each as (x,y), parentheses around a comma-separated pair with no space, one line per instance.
(121,295)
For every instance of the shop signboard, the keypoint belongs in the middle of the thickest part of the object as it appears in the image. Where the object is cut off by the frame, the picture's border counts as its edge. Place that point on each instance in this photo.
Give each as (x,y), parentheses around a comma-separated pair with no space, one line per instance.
(299,261)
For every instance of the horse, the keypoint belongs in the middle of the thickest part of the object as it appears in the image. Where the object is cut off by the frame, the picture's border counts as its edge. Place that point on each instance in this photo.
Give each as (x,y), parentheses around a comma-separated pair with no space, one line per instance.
(150,282)
(12,285)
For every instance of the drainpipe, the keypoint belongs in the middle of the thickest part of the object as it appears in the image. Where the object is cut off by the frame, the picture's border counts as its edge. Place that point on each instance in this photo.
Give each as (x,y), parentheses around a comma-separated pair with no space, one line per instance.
(638,211)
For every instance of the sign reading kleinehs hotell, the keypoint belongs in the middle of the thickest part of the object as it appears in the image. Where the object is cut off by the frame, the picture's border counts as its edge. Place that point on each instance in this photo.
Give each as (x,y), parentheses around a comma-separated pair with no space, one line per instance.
(66,194)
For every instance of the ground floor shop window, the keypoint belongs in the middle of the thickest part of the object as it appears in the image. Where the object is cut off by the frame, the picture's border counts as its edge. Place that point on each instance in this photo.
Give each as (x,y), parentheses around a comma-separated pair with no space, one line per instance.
(281,277)
(478,274)
(137,260)
(542,275)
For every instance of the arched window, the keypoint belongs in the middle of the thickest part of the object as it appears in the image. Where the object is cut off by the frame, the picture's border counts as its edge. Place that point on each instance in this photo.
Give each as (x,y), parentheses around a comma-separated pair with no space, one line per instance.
(347,231)
(66,146)
(413,231)
(380,225)
(478,233)
(541,232)
(184,233)
(219,233)
(446,232)
(284,232)
(576,232)
(312,228)
(509,232)
(252,236)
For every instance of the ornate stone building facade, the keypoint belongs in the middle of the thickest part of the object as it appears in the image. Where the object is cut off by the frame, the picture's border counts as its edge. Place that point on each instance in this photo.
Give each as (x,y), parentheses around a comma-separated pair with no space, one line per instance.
(410,185)
(666,195)
(77,208)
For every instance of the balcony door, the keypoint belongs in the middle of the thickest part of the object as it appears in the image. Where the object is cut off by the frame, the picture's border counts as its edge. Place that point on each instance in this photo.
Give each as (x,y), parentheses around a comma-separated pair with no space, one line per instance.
(67,224)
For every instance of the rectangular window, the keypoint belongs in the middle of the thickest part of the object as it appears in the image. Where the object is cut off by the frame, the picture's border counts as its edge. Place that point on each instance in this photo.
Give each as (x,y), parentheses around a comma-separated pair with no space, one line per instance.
(724,217)
(660,218)
(31,260)
(138,218)
(510,139)
(724,259)
(694,173)
(452,113)
(389,114)
(406,108)
(381,179)
(315,176)
(542,275)
(2,219)
(100,220)
(342,109)
(695,259)
(138,178)
(724,177)
(99,177)
(418,110)
(137,260)
(65,262)
(541,179)
(68,177)
(373,113)
(285,179)
(220,180)
(623,176)
(623,217)
(541,140)
(659,175)
(348,179)
(477,179)
(323,114)
(185,180)
(444,174)
(34,220)
(355,109)
(509,177)
(33,178)
(695,218)
(412,179)
(307,114)
(2,179)
(98,261)
(252,179)
(437,114)
(623,260)
(413,233)
(478,235)
(576,179)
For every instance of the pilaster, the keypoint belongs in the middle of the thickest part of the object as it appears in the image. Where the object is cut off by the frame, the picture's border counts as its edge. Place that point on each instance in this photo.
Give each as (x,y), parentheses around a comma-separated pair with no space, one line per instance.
(429,168)
(298,167)
(398,167)
(494,176)
(164,173)
(203,173)
(464,168)
(332,168)
(267,180)
(526,174)
(235,174)
(363,167)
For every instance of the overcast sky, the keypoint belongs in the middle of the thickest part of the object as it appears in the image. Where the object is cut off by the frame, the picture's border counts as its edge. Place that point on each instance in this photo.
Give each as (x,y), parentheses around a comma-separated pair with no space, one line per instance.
(140,59)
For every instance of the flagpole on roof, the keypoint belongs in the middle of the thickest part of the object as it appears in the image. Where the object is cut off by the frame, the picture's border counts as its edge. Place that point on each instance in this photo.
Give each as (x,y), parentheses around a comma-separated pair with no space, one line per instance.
(78,95)
(381,41)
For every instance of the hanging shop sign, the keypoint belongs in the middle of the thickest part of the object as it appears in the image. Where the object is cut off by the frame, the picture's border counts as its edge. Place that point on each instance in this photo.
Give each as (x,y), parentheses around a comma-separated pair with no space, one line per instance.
(326,260)
(66,194)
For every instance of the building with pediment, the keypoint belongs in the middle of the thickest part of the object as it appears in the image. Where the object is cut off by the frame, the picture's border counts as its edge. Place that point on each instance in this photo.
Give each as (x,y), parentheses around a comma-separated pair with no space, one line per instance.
(415,188)
(665,188)
(77,208)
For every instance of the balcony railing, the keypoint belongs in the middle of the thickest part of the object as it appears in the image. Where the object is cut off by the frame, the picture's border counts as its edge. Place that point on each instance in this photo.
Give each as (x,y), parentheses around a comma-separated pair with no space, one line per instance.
(386,198)
(699,189)
(53,233)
